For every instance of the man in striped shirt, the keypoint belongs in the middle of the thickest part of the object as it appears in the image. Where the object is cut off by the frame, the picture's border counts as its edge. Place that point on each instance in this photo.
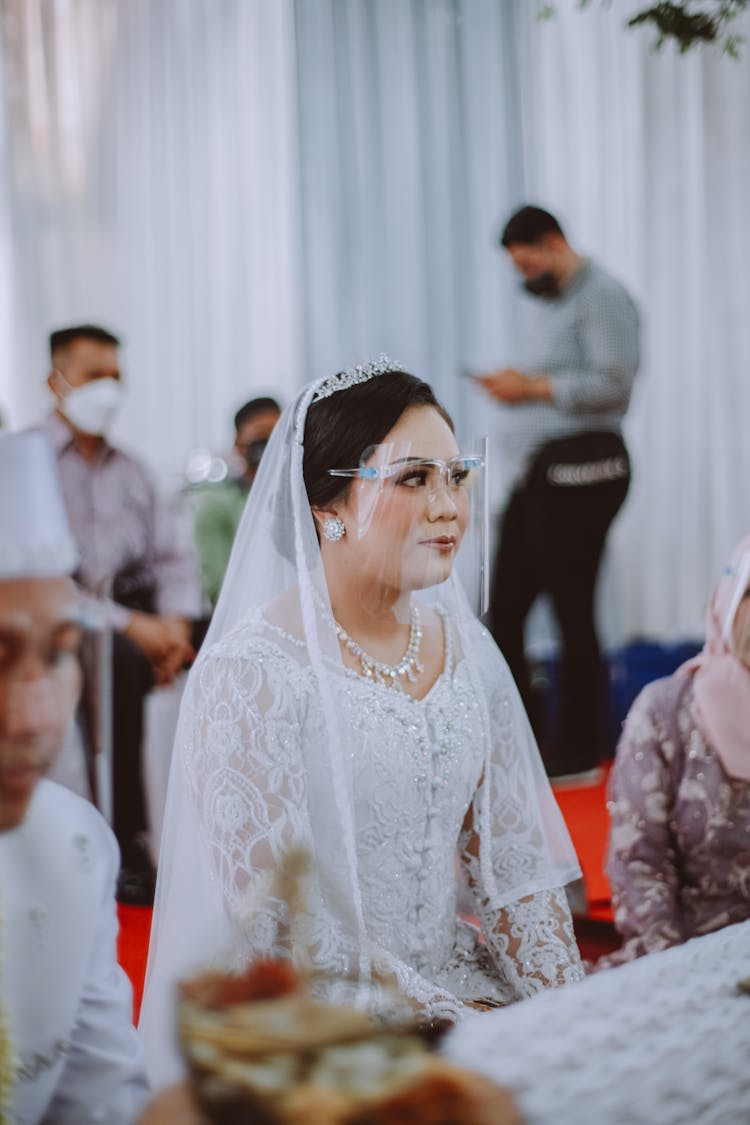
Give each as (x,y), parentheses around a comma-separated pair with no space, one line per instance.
(562,411)
(135,567)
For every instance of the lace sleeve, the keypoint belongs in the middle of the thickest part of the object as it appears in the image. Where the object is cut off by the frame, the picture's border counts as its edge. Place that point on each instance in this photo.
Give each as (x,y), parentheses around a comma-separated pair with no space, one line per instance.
(642,862)
(531,941)
(246,775)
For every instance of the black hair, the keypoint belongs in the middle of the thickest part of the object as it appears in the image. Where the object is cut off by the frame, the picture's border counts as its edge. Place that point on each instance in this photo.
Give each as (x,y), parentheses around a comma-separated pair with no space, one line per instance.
(528,226)
(339,429)
(253,407)
(65,336)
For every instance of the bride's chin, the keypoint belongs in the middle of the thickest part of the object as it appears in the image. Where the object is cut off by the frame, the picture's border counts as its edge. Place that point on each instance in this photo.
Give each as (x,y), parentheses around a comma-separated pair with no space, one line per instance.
(440,571)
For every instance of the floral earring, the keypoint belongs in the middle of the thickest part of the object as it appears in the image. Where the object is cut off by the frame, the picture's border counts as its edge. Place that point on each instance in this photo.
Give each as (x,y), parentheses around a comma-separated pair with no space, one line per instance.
(333,529)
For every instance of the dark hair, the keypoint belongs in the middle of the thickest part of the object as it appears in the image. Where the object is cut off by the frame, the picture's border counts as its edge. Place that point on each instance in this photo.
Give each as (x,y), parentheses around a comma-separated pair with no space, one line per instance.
(253,407)
(338,429)
(65,336)
(529,225)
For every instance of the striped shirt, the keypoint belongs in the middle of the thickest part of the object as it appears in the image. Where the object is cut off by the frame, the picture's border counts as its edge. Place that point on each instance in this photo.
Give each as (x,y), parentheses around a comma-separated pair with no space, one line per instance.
(119,522)
(586,340)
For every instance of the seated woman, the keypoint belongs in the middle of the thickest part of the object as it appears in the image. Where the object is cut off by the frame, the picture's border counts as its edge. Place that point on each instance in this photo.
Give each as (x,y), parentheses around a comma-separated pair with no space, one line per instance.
(679,850)
(347,701)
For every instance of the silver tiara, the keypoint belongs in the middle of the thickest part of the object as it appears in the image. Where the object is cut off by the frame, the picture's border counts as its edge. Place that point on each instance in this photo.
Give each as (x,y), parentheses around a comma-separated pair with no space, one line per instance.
(362,373)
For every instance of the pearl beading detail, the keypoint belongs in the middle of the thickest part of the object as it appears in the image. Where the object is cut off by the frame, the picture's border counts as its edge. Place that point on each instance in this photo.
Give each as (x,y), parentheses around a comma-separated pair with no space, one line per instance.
(409,665)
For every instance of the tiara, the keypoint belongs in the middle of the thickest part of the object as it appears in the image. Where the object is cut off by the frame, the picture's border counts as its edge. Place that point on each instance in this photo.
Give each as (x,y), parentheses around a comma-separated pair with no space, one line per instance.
(362,373)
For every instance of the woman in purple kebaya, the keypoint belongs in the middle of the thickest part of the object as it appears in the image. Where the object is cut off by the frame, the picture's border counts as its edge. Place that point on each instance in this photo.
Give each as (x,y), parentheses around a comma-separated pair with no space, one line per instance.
(679,849)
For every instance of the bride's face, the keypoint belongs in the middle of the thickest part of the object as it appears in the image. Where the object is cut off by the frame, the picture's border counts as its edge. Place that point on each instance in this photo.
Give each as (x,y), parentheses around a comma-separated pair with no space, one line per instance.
(405,529)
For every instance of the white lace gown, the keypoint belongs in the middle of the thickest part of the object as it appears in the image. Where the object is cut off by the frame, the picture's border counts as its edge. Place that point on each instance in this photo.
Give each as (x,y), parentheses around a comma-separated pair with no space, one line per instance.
(418,770)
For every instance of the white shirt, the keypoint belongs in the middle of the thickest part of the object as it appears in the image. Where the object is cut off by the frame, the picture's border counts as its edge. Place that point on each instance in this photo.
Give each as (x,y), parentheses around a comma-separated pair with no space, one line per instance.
(68,1003)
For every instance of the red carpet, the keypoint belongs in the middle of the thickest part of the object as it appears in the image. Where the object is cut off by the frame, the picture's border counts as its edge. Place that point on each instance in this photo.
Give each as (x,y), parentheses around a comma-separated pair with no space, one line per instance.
(132,947)
(585,813)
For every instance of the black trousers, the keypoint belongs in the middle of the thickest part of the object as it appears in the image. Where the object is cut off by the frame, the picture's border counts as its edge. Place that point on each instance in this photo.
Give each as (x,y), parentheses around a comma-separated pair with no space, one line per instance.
(132,680)
(552,537)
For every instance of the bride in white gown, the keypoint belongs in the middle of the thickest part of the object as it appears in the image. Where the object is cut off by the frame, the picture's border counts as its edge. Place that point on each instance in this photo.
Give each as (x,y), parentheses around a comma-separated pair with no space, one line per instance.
(348,701)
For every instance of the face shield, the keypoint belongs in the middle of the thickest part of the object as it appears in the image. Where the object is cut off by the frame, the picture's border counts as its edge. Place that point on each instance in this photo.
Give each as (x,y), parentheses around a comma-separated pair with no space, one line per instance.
(414,521)
(736,623)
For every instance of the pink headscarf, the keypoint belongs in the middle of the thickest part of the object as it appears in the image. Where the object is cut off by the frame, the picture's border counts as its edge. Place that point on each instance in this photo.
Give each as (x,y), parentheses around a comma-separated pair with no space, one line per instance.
(721,682)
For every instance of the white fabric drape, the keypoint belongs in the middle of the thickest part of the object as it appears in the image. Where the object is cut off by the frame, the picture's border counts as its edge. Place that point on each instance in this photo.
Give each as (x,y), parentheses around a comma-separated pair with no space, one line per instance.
(155,189)
(208,226)
(255,192)
(283,189)
(60,151)
(409,150)
(645,156)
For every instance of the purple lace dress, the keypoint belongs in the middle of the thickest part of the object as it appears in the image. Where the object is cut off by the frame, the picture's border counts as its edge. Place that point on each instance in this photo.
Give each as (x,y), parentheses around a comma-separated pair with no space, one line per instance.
(679,848)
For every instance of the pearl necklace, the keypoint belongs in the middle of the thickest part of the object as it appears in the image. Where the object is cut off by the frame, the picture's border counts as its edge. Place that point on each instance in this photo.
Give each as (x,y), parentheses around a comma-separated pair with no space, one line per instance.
(388,674)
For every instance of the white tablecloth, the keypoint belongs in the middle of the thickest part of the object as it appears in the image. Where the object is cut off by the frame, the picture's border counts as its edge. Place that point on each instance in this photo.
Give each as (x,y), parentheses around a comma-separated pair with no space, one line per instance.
(663,1040)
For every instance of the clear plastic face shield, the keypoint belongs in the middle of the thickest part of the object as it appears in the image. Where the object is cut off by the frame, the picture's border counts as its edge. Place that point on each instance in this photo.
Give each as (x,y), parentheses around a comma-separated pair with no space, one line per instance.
(415,515)
(736,624)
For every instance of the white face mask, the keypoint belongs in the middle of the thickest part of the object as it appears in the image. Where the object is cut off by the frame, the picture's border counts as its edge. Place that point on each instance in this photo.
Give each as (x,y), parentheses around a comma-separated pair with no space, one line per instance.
(92,407)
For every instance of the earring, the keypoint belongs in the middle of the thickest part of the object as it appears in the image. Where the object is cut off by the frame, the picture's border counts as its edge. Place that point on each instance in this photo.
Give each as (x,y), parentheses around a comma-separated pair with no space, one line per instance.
(333,529)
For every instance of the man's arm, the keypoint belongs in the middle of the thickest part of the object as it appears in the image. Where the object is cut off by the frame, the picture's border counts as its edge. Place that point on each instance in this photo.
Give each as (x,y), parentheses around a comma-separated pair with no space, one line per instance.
(512,386)
(608,333)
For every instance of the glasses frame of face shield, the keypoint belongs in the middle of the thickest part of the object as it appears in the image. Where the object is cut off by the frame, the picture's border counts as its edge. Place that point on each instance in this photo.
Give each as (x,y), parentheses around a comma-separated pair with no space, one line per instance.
(446,469)
(474,565)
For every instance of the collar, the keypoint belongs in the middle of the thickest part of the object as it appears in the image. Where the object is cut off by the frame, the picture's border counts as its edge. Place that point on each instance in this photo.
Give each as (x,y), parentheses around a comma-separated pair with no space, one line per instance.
(61,435)
(577,280)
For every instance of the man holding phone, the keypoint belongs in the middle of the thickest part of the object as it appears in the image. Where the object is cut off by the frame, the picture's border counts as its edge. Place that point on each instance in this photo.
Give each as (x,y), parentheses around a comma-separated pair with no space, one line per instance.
(561,428)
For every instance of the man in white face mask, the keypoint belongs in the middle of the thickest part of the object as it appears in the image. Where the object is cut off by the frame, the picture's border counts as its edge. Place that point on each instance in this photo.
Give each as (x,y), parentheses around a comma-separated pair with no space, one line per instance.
(91,400)
(141,572)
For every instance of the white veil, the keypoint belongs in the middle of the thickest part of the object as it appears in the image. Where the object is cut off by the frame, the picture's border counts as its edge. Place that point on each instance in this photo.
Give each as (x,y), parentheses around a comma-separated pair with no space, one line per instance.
(241,757)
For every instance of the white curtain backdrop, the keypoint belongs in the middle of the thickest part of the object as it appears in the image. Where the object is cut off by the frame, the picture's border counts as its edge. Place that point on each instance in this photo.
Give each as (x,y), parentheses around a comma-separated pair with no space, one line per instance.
(7,380)
(645,156)
(155,189)
(254,192)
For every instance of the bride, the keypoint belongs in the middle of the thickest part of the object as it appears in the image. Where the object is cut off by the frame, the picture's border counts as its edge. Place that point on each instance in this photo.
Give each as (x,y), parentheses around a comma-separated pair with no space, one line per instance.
(348,701)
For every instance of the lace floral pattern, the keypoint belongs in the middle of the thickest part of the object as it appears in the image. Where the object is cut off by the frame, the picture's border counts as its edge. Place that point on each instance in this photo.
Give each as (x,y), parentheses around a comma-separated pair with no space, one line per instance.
(679,853)
(424,786)
(662,1041)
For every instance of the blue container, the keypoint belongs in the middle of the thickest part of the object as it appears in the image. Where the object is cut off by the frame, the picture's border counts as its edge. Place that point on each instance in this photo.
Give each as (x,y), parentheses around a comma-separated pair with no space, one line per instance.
(633,666)
(627,670)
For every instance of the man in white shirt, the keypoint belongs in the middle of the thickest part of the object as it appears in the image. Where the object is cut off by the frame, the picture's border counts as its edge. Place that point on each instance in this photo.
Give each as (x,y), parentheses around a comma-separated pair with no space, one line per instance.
(68,1051)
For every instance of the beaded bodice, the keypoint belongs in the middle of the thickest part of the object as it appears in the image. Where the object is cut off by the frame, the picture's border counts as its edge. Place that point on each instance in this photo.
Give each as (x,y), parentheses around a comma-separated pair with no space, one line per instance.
(416,766)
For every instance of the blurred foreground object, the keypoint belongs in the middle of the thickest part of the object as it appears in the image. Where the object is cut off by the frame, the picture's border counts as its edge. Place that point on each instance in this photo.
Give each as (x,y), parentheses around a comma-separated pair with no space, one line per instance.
(261,1047)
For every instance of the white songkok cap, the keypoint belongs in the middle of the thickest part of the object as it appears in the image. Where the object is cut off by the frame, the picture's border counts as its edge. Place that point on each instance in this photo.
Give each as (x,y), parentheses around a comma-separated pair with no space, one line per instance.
(35,539)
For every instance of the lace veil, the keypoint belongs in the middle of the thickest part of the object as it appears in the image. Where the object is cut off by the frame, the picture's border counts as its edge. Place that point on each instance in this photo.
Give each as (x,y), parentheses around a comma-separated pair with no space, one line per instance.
(242,755)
